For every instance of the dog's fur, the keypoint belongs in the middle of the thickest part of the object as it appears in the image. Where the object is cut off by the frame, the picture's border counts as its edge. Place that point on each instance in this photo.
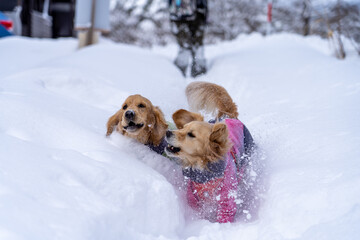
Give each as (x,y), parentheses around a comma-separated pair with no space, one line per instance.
(211,98)
(140,120)
(215,161)
(197,142)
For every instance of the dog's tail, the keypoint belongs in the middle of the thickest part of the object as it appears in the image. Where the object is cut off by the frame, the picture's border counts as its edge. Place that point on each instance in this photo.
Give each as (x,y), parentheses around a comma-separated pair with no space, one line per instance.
(211,98)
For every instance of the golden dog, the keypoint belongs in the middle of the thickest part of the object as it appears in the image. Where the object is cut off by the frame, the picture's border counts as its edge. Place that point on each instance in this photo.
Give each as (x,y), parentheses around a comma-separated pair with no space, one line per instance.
(215,155)
(140,120)
(197,143)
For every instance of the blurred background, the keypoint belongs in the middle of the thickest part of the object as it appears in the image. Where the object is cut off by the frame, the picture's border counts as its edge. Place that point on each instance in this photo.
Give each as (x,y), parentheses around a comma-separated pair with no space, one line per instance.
(146,22)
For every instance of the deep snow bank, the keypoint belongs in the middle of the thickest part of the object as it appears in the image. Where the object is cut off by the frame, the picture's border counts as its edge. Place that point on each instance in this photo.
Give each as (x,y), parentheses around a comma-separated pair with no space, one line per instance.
(60,178)
(302,106)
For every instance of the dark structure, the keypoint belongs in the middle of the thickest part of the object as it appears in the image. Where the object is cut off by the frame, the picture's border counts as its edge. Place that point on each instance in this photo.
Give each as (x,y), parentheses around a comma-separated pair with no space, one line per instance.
(8,5)
(48,18)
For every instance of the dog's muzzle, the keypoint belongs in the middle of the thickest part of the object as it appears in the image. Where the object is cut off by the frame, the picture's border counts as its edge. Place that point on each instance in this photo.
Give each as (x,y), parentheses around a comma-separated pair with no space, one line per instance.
(170,148)
(130,115)
(131,125)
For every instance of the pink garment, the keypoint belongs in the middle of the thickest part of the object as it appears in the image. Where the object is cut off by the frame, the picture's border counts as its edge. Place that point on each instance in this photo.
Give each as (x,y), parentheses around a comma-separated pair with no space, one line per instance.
(218,196)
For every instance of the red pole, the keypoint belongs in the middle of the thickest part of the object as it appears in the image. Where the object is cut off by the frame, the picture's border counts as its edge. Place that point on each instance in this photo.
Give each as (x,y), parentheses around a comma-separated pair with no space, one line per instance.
(269,15)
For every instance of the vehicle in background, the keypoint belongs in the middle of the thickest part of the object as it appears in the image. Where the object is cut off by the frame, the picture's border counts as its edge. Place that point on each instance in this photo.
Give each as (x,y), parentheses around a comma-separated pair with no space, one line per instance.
(39,18)
(6,25)
(12,9)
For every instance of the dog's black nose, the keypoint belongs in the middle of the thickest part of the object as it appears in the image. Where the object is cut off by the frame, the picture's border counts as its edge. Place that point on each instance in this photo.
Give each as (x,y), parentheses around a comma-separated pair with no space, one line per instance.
(169,134)
(130,114)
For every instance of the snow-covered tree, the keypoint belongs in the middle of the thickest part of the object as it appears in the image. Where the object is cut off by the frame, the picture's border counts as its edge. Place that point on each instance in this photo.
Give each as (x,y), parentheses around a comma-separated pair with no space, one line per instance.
(138,22)
(146,22)
(229,18)
(293,16)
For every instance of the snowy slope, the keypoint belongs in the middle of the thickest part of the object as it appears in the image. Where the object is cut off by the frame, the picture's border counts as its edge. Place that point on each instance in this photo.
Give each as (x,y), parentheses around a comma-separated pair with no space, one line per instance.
(59,174)
(60,178)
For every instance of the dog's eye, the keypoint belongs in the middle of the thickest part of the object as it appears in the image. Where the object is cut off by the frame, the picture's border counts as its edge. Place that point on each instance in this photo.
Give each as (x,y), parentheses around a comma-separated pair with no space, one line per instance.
(141,105)
(190,134)
(125,107)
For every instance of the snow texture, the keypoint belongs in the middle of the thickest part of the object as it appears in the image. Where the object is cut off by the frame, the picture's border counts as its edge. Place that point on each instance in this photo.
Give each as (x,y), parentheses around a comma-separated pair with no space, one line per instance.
(61,178)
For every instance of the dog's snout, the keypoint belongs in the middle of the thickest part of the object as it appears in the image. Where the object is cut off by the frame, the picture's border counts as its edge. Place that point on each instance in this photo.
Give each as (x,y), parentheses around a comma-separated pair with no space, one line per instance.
(169,134)
(130,114)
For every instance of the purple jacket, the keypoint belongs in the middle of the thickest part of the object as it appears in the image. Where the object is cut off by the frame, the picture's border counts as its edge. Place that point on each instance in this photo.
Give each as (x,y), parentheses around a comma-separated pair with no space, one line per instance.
(216,190)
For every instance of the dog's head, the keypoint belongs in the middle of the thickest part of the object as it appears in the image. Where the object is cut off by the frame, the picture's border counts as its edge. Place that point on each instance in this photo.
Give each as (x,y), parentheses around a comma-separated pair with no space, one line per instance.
(196,142)
(140,120)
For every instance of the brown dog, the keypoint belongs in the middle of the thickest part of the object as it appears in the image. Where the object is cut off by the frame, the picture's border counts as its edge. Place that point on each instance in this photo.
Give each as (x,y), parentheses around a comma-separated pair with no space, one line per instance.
(140,120)
(215,155)
(211,98)
(197,143)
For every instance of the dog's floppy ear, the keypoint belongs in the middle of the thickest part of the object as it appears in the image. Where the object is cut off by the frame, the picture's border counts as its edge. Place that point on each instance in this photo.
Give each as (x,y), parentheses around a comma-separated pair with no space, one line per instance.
(182,117)
(219,141)
(159,128)
(113,121)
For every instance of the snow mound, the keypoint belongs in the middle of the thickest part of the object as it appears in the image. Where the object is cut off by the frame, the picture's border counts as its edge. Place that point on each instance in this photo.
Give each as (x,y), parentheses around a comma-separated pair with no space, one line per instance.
(61,178)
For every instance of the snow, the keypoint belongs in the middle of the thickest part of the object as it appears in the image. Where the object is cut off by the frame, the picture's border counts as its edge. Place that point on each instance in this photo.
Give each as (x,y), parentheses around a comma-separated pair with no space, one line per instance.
(61,178)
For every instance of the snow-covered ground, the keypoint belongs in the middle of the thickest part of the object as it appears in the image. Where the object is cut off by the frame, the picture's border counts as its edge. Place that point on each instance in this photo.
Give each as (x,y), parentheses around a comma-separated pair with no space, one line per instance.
(61,178)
